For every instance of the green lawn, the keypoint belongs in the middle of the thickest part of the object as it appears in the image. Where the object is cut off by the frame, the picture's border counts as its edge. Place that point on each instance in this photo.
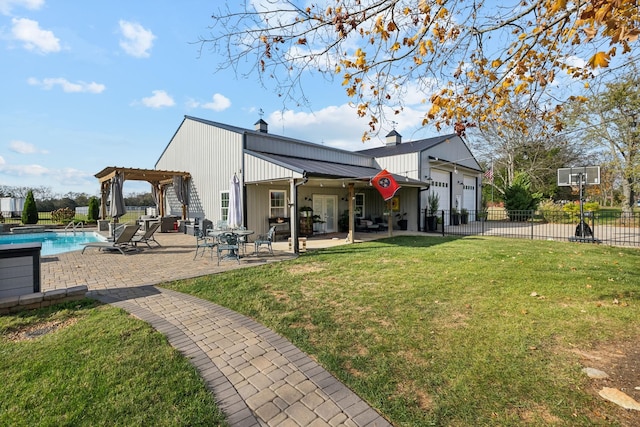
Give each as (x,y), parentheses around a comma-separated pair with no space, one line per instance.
(95,366)
(429,330)
(434,331)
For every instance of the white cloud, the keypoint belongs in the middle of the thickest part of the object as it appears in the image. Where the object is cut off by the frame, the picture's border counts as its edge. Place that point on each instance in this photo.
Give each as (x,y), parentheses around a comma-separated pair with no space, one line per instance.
(340,127)
(23,170)
(219,103)
(7,5)
(137,40)
(23,147)
(66,85)
(34,37)
(159,99)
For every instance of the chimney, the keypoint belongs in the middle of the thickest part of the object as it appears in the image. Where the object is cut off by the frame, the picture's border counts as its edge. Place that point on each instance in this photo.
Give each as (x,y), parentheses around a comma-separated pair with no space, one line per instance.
(393,138)
(261,126)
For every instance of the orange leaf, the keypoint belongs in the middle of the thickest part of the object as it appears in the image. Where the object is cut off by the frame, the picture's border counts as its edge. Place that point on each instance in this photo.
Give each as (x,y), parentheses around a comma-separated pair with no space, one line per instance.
(600,59)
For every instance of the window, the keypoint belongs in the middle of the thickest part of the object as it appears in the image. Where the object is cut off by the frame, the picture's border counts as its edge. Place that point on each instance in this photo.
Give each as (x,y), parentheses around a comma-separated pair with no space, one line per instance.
(277,203)
(359,206)
(224,205)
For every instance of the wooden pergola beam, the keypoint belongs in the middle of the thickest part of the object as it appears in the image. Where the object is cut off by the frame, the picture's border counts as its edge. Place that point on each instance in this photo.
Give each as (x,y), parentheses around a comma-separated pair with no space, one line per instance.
(152,176)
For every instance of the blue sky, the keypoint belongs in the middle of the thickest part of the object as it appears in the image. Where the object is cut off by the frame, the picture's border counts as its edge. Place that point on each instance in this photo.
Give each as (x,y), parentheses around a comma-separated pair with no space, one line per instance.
(106,83)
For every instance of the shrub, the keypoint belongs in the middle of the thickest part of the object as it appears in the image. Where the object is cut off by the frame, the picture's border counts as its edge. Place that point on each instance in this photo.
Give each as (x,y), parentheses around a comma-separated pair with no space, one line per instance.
(30,210)
(519,201)
(551,211)
(94,209)
(62,215)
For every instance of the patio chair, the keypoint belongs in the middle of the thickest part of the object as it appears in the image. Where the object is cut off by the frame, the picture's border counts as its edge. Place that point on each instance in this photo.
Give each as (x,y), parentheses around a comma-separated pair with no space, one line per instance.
(265,240)
(147,236)
(122,242)
(204,242)
(228,242)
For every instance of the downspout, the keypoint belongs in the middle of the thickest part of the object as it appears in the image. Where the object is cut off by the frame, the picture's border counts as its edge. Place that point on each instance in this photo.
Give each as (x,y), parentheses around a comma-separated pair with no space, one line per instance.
(293,222)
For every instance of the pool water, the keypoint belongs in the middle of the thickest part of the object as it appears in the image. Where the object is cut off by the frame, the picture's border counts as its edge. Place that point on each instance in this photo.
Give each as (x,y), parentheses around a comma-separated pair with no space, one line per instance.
(54,242)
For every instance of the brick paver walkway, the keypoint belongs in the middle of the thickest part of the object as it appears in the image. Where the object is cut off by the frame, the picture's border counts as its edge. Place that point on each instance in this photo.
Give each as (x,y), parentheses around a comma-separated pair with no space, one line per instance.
(257,377)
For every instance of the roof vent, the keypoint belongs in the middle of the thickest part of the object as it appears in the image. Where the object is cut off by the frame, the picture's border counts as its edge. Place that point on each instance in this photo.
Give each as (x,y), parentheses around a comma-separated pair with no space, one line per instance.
(393,138)
(261,126)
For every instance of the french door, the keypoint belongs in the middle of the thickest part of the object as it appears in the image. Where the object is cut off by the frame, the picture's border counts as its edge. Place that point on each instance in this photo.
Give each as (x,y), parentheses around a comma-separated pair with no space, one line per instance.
(325,206)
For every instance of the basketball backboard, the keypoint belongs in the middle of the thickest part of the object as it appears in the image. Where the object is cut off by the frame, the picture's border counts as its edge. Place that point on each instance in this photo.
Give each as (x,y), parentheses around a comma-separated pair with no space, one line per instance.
(585,175)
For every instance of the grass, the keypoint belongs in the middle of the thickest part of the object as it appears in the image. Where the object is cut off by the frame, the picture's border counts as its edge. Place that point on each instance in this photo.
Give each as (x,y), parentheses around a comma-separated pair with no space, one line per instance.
(435,331)
(83,364)
(429,330)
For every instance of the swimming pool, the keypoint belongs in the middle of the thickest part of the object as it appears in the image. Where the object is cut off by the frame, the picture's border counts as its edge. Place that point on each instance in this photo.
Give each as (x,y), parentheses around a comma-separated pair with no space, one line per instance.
(54,242)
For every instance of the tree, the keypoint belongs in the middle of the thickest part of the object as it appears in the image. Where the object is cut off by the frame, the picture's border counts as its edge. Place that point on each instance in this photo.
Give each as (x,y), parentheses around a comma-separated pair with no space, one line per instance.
(94,209)
(609,120)
(469,59)
(532,151)
(30,210)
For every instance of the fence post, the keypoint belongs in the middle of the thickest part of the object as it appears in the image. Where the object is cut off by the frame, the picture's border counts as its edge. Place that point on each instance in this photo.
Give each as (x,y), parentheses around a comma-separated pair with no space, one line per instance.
(442,219)
(531,220)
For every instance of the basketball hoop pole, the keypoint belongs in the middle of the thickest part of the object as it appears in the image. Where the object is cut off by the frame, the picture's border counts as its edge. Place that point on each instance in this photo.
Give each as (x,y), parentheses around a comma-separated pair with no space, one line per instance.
(580,181)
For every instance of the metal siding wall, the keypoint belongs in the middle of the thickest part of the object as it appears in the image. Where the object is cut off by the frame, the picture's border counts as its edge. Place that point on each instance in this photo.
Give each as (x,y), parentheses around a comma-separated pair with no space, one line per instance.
(405,165)
(257,170)
(211,155)
(454,152)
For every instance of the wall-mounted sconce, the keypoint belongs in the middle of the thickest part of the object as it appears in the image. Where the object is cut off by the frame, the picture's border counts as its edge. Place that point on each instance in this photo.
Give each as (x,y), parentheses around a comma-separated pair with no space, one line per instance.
(343,184)
(307,198)
(460,183)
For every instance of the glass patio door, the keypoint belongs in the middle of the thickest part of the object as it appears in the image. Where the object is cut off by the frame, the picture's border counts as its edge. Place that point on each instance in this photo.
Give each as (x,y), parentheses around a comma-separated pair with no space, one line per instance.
(325,206)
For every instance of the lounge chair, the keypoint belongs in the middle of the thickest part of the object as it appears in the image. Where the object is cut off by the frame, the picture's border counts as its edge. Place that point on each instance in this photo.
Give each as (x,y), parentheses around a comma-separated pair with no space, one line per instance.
(147,236)
(122,242)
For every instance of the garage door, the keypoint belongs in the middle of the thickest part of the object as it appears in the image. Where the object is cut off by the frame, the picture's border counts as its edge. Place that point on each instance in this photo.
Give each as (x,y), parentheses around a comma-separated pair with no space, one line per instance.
(441,187)
(469,196)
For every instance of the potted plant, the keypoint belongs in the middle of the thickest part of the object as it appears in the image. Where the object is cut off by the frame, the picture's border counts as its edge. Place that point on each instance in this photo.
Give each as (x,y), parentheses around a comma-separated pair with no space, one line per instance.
(464,216)
(433,204)
(402,222)
(455,216)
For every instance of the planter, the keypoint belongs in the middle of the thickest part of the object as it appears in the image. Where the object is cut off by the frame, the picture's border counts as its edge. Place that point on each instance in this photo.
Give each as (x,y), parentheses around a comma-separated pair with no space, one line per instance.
(402,223)
(455,219)
(432,223)
(464,218)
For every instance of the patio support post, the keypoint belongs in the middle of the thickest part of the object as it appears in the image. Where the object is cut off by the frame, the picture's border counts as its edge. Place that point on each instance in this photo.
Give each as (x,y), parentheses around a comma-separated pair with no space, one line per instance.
(293,222)
(352,196)
(389,219)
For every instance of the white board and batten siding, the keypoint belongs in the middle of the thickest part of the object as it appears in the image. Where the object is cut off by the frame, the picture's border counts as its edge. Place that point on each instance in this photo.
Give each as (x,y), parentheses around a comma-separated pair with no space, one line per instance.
(208,153)
(19,269)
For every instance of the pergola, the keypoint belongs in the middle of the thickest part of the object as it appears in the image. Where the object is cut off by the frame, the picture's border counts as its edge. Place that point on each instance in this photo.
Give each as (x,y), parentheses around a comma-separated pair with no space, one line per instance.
(159,179)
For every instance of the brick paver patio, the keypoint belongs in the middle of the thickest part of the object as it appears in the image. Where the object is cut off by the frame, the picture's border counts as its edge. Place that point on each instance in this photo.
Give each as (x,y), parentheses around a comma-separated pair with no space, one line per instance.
(257,377)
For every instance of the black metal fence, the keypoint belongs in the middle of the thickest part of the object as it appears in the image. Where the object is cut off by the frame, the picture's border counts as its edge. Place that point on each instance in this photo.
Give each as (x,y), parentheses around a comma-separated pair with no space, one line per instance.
(610,228)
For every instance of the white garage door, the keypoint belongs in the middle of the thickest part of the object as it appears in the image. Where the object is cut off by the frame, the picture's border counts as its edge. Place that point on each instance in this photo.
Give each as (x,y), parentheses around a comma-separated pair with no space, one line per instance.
(469,196)
(442,187)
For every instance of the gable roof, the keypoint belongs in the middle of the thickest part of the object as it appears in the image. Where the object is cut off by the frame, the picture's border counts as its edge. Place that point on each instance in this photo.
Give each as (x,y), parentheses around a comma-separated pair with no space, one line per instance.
(409,147)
